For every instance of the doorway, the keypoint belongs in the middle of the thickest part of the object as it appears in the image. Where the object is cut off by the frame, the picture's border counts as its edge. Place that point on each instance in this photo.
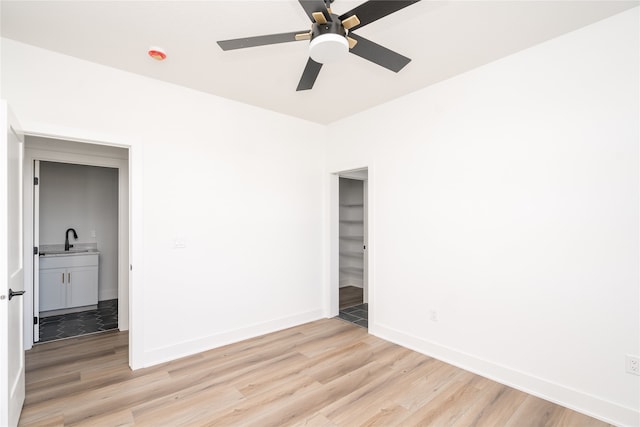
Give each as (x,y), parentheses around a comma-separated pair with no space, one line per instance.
(76,212)
(75,189)
(352,247)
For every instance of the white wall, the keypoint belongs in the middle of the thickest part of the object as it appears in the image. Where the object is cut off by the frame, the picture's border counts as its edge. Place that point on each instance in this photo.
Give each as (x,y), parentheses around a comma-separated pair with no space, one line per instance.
(506,199)
(239,186)
(84,198)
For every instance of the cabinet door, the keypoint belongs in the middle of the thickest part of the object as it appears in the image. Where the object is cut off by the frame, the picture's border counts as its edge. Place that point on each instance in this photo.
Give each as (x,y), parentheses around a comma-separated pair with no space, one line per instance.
(83,286)
(53,292)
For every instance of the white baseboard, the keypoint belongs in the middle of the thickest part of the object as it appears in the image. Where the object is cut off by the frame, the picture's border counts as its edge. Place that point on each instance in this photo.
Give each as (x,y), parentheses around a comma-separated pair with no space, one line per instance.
(587,404)
(175,351)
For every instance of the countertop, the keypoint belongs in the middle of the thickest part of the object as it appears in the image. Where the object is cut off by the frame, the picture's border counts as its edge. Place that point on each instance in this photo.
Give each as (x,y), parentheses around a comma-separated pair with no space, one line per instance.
(77,249)
(70,252)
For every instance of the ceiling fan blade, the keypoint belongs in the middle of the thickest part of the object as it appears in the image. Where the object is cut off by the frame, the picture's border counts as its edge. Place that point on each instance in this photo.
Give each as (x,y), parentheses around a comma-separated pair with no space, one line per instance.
(260,40)
(313,6)
(375,9)
(378,54)
(309,75)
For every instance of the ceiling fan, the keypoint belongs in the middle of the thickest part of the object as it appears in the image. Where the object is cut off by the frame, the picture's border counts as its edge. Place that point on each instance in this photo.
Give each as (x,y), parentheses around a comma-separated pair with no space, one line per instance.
(331,36)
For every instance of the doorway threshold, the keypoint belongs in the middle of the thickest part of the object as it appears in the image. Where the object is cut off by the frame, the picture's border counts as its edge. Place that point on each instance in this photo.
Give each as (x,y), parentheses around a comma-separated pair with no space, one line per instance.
(357,314)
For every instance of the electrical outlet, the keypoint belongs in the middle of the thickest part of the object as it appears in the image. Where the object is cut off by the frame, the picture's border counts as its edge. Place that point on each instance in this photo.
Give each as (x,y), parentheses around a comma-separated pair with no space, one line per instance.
(433,315)
(633,364)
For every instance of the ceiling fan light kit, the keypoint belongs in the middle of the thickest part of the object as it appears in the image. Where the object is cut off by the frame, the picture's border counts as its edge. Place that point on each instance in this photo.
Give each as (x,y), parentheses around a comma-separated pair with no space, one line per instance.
(331,38)
(328,48)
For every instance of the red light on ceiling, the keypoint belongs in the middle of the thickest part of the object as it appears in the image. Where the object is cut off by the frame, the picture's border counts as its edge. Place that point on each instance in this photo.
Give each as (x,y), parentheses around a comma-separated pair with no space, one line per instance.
(157,53)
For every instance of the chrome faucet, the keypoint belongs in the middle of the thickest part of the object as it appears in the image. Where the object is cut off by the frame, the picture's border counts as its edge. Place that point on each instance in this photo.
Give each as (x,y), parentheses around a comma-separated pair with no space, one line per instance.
(66,238)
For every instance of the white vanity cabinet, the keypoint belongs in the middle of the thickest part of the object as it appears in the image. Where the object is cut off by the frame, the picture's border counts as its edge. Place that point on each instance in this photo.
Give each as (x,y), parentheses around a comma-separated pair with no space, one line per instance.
(68,281)
(53,290)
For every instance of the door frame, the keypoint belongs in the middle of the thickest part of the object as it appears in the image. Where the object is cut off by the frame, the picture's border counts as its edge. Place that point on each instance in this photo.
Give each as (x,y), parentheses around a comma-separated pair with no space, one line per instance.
(332,280)
(34,299)
(124,210)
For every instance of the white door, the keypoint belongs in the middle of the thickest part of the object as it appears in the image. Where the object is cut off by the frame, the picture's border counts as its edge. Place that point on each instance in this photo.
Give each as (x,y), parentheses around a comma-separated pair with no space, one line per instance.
(11,270)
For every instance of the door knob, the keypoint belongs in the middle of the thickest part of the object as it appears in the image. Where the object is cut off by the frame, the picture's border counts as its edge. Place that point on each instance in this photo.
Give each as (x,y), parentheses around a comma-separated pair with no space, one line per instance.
(13,293)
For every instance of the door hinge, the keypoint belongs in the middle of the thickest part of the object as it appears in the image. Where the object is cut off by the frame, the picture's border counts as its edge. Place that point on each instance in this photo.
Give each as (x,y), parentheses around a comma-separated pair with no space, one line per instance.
(35,180)
(35,320)
(35,250)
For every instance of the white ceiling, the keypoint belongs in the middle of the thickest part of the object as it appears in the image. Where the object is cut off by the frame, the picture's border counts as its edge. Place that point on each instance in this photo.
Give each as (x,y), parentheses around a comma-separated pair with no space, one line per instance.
(443,38)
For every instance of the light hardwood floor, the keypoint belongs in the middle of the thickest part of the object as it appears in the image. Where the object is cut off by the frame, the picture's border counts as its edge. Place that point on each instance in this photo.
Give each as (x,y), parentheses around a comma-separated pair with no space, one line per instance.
(324,373)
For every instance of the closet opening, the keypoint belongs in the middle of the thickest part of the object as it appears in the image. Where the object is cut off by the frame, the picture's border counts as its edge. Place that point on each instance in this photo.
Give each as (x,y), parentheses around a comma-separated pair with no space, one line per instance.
(352,247)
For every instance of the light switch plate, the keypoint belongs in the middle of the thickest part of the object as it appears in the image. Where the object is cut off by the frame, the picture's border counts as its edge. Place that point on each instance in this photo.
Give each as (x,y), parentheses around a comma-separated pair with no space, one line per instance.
(633,364)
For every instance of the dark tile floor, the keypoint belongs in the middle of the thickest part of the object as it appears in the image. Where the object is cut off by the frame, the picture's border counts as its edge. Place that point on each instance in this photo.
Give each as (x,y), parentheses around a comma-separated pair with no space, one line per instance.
(358,314)
(104,318)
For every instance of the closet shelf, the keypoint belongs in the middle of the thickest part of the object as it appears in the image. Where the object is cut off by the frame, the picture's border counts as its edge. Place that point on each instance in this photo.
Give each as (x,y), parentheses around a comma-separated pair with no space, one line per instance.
(352,205)
(351,253)
(355,238)
(352,221)
(354,270)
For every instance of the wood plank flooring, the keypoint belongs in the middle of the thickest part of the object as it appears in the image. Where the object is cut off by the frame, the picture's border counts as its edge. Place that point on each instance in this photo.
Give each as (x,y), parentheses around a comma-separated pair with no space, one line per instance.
(350,296)
(324,373)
